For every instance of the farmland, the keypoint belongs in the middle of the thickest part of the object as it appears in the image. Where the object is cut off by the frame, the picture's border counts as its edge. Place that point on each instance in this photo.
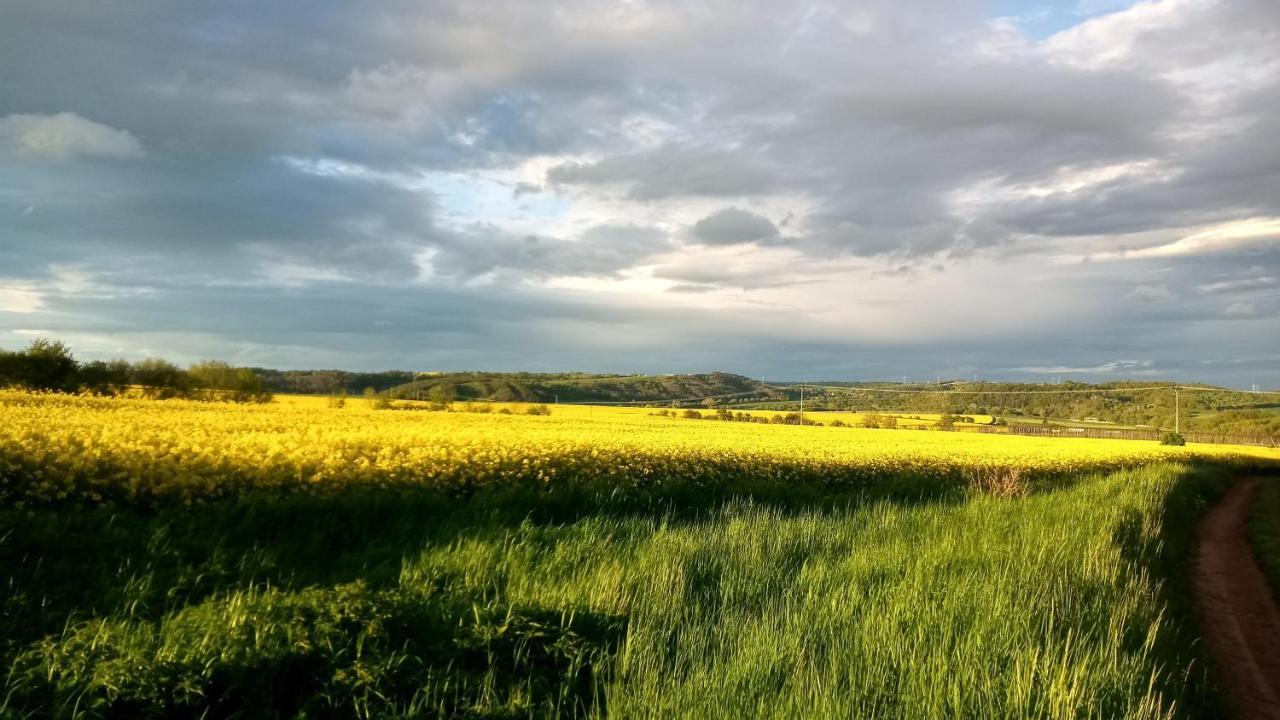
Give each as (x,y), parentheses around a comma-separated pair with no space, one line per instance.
(296,558)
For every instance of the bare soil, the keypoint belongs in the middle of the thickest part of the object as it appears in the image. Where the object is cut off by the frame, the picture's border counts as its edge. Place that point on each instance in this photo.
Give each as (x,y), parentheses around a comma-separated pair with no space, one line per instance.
(1239,617)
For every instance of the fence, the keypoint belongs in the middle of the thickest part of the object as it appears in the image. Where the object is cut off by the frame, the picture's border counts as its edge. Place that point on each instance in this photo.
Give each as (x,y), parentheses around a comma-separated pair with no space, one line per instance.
(1132,434)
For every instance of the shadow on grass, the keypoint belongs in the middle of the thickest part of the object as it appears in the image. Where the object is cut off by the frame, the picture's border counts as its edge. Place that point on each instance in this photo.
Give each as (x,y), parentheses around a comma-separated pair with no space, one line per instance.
(83,562)
(340,651)
(103,579)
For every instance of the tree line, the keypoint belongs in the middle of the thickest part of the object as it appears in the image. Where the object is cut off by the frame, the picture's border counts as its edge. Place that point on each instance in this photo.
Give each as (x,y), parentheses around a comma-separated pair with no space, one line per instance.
(49,366)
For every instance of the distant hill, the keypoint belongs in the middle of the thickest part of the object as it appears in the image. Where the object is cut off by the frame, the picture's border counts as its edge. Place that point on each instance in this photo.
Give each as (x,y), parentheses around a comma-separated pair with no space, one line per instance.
(526,387)
(1118,404)
(583,387)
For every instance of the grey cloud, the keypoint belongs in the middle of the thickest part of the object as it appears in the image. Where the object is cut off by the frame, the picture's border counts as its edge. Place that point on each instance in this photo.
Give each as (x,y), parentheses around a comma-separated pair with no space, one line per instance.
(733,226)
(601,251)
(697,277)
(673,171)
(692,288)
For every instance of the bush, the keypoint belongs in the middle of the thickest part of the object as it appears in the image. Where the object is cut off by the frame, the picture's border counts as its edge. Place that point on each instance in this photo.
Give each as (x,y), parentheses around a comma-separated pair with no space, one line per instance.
(538,410)
(691,415)
(1173,438)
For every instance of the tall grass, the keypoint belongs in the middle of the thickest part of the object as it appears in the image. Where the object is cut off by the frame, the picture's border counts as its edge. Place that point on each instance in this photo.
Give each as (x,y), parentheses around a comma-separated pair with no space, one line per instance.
(1264,531)
(1057,604)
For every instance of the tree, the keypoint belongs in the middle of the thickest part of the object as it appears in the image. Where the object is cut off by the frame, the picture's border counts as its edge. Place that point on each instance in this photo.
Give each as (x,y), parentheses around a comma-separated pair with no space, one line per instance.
(159,379)
(103,378)
(44,365)
(216,380)
(8,368)
(442,393)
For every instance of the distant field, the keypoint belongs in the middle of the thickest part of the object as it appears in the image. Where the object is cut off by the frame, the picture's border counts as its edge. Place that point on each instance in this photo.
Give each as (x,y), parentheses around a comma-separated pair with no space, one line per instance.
(906,419)
(172,558)
(1103,424)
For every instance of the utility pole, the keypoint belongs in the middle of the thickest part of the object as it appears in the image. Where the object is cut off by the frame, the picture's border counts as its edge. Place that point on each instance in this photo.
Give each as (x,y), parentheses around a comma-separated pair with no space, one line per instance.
(1177,412)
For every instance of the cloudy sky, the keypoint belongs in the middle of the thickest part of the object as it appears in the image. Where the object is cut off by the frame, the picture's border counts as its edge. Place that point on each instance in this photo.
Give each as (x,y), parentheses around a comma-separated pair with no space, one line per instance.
(875,189)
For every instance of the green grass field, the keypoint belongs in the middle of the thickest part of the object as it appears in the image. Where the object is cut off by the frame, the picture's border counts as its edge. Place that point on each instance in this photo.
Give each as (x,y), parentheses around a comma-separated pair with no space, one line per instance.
(1064,603)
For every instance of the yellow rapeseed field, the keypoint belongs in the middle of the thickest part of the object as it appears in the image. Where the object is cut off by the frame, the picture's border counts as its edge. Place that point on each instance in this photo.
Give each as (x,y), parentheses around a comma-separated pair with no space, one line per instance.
(58,448)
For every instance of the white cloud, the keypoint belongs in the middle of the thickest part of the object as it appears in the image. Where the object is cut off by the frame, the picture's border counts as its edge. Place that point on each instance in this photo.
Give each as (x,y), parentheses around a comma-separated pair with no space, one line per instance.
(66,135)
(1149,294)
(20,298)
(1239,285)
(1111,40)
(1222,238)
(1241,309)
(1126,367)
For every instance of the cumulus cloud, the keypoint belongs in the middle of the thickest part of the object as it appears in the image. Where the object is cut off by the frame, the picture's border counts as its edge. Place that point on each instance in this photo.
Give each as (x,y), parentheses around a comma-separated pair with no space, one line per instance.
(66,135)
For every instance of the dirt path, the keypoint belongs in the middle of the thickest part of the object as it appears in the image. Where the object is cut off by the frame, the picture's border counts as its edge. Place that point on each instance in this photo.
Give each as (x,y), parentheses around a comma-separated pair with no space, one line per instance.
(1239,618)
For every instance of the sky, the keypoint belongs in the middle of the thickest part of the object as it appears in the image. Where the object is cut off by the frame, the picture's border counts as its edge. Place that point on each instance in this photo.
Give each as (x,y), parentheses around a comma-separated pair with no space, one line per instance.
(991,189)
